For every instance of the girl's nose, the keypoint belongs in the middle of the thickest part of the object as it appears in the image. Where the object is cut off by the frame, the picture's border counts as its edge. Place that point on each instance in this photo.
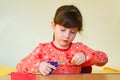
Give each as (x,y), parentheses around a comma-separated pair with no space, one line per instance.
(67,34)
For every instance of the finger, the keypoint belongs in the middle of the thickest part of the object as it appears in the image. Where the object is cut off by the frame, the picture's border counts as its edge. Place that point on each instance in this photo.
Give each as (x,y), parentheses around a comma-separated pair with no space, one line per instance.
(46,72)
(51,66)
(75,57)
(43,72)
(79,61)
(73,60)
(48,69)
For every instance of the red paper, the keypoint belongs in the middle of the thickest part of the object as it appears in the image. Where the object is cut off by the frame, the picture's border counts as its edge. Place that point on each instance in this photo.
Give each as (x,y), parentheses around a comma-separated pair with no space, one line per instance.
(22,76)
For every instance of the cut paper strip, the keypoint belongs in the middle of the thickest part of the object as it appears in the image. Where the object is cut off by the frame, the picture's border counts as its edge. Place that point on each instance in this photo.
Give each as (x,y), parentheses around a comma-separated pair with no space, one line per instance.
(3,74)
(6,70)
(111,69)
(22,76)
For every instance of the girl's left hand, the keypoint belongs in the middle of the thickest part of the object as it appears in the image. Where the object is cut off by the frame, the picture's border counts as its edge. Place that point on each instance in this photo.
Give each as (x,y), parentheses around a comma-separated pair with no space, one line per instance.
(78,58)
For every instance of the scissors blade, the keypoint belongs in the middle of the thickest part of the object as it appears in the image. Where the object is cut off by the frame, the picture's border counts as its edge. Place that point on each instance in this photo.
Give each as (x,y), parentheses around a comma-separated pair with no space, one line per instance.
(62,61)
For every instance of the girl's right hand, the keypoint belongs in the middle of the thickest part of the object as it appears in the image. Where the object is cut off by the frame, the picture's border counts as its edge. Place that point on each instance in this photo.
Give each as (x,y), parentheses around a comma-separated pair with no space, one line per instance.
(45,68)
(78,58)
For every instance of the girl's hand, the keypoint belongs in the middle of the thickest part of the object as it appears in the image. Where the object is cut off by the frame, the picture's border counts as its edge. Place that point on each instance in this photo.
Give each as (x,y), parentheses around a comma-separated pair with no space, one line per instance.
(78,58)
(45,68)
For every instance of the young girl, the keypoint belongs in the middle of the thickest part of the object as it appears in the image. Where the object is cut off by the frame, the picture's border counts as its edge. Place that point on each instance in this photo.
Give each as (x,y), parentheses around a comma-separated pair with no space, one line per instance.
(67,22)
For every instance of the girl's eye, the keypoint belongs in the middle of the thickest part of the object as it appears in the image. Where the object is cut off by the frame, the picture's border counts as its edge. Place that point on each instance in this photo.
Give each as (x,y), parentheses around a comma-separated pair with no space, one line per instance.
(62,29)
(72,32)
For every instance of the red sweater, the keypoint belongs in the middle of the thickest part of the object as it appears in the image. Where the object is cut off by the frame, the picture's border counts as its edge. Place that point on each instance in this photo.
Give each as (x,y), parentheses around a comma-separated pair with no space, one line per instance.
(49,52)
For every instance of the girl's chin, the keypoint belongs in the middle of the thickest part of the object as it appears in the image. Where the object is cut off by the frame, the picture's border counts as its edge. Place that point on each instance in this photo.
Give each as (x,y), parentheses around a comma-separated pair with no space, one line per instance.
(65,45)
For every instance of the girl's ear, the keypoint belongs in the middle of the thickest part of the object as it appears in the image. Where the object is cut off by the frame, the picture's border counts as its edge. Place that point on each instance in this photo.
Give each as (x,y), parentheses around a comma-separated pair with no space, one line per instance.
(53,25)
(53,28)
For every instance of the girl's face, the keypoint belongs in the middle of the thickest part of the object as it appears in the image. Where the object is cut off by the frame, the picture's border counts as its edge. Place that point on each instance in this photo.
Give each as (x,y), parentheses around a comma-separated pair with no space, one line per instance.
(63,36)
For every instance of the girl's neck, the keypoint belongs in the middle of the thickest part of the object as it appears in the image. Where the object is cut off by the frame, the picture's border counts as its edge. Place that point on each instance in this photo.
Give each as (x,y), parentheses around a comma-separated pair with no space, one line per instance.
(56,45)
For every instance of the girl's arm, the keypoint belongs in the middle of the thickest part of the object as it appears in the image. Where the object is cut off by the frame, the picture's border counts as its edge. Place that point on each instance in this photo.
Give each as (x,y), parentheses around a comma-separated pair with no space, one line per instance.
(94,57)
(98,58)
(30,64)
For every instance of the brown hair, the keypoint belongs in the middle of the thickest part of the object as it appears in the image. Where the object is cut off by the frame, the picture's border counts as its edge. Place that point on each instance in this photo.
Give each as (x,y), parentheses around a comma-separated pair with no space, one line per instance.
(69,16)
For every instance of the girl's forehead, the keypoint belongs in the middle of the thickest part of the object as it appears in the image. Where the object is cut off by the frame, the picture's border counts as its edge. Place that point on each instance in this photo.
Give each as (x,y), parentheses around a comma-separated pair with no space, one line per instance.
(72,28)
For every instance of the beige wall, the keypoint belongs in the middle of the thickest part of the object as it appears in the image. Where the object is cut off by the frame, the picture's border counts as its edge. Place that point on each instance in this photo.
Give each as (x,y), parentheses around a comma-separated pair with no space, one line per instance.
(25,23)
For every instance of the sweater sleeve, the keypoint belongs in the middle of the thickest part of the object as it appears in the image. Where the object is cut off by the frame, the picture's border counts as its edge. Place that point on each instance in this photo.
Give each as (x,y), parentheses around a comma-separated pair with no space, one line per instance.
(94,57)
(99,58)
(30,63)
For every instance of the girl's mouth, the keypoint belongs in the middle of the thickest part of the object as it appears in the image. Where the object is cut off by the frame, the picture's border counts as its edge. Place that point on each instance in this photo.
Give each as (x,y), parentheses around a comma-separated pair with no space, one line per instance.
(66,41)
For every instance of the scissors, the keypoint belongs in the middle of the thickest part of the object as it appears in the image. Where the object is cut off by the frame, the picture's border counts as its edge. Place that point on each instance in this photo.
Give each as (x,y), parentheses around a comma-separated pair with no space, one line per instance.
(56,64)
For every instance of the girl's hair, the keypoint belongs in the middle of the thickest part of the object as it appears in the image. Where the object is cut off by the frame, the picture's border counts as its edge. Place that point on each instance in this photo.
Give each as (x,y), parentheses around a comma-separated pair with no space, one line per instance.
(69,16)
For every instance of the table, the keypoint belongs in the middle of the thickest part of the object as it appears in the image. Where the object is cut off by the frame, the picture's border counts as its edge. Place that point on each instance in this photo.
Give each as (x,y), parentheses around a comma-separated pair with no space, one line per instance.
(114,76)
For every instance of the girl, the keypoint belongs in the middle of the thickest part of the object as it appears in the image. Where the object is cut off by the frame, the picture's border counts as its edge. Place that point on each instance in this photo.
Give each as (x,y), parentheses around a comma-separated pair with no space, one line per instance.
(67,22)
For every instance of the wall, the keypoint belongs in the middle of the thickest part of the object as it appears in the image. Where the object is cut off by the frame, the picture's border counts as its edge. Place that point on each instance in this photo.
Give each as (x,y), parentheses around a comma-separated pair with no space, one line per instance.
(25,23)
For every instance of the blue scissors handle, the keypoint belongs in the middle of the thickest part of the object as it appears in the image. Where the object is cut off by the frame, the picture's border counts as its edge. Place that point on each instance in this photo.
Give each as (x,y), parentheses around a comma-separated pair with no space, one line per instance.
(55,64)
